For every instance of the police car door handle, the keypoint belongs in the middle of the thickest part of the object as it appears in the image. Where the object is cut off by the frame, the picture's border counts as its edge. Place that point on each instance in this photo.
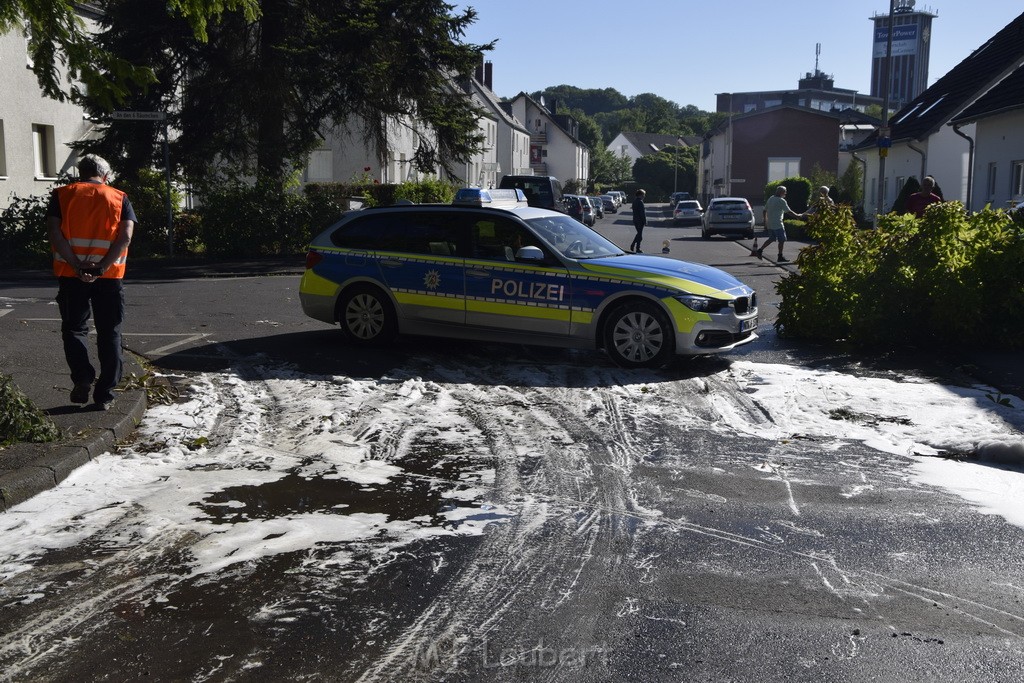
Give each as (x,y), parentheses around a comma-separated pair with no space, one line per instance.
(473,272)
(392,263)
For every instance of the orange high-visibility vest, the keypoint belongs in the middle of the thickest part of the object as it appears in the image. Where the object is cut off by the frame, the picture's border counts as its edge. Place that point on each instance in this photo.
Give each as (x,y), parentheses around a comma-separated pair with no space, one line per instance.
(90,214)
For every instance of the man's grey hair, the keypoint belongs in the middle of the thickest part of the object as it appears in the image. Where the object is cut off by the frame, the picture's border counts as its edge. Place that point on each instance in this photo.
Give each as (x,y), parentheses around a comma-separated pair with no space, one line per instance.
(92,166)
(781,189)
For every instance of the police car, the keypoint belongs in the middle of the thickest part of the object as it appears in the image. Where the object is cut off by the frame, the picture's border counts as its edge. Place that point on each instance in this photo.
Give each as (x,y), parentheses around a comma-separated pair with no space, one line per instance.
(491,268)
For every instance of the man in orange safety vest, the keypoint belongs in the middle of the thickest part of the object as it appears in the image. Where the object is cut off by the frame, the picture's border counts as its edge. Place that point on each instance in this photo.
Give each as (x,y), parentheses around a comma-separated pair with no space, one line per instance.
(90,225)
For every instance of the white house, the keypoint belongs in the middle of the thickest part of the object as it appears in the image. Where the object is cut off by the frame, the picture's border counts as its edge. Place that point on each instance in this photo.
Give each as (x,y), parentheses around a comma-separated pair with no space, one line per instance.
(998,177)
(555,147)
(512,139)
(34,130)
(929,136)
(635,145)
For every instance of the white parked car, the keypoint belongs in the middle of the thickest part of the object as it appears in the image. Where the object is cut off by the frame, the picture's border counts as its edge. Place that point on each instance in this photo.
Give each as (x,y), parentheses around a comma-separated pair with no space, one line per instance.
(728,216)
(687,211)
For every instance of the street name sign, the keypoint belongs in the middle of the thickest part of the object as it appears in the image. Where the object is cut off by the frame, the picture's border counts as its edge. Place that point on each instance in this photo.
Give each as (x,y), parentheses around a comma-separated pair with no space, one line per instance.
(138,115)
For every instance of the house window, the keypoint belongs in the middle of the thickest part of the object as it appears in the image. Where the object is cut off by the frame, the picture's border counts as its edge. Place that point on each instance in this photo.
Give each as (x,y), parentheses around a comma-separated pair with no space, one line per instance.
(43,151)
(780,168)
(1018,179)
(900,182)
(321,166)
(991,181)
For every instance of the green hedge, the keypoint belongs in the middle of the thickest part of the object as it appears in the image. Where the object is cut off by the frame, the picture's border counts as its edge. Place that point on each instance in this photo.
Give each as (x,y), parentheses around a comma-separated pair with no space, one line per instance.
(798,192)
(241,221)
(947,279)
(20,420)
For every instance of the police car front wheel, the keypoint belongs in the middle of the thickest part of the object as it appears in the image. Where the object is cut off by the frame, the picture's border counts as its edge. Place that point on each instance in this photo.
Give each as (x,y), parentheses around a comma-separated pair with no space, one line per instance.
(366,316)
(638,334)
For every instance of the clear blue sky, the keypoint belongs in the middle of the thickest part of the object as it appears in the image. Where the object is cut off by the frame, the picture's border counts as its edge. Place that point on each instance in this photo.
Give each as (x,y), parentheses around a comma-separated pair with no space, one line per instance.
(688,51)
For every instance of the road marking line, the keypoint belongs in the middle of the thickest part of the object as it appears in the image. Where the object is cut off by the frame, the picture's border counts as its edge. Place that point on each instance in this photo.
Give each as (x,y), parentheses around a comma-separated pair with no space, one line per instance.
(163,349)
(168,347)
(5,311)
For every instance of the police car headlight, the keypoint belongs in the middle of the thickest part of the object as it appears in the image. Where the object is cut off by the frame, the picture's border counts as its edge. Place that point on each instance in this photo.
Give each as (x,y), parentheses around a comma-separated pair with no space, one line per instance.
(695,303)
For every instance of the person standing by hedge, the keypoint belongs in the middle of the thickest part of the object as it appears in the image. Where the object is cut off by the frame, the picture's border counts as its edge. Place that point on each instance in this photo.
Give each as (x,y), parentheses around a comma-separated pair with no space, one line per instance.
(775,211)
(822,200)
(639,220)
(90,226)
(919,201)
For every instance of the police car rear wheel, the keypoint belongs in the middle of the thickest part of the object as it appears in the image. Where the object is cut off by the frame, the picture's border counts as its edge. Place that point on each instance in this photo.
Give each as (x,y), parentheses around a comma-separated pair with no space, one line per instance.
(638,334)
(366,316)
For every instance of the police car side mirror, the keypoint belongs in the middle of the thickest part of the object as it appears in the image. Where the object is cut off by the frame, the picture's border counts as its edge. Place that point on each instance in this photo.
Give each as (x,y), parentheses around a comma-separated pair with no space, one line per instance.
(530,254)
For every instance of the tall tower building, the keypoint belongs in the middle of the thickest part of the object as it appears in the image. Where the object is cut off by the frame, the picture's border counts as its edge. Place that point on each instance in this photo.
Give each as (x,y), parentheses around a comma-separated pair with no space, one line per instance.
(911,41)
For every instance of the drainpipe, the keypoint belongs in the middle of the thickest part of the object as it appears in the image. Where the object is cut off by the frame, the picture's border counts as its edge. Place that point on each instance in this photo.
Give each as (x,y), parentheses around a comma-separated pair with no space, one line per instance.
(970,163)
(924,158)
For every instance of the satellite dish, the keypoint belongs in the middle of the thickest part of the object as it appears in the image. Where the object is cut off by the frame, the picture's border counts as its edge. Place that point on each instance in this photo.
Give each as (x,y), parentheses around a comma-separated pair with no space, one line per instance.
(542,101)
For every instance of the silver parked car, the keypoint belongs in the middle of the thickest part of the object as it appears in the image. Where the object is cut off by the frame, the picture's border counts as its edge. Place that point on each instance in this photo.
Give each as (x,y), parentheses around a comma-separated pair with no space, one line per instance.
(687,211)
(728,216)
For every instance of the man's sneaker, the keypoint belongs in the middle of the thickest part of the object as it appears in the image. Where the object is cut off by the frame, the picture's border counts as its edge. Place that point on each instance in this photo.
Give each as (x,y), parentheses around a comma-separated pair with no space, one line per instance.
(783,259)
(759,254)
(80,394)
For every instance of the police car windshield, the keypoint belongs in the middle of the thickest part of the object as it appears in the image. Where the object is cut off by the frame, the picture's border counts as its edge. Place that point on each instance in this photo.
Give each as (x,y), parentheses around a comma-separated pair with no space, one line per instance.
(571,238)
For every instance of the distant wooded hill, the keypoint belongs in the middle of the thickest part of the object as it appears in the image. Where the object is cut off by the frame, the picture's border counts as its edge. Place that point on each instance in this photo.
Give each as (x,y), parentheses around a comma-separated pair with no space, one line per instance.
(604,113)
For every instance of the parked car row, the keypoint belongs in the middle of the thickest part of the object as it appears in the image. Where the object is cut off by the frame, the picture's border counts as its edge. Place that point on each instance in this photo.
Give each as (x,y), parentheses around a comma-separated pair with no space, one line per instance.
(587,209)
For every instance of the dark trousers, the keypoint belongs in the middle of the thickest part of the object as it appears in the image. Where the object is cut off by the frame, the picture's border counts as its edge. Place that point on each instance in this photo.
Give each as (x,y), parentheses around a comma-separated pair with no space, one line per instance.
(104,298)
(635,244)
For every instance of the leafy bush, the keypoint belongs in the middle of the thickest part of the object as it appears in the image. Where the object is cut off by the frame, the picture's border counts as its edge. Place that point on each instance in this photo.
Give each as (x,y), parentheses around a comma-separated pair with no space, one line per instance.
(798,192)
(255,220)
(24,242)
(574,186)
(20,420)
(148,195)
(426,192)
(946,279)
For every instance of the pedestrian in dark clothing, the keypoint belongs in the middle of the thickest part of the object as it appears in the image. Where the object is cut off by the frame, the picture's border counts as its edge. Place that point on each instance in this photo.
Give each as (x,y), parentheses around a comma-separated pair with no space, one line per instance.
(639,221)
(919,201)
(90,225)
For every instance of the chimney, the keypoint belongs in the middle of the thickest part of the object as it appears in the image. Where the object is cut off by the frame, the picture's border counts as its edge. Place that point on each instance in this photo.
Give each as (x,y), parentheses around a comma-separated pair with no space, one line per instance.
(478,74)
(488,73)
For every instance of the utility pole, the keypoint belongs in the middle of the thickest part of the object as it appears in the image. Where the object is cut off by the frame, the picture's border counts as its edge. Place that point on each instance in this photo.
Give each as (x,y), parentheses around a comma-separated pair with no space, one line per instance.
(884,133)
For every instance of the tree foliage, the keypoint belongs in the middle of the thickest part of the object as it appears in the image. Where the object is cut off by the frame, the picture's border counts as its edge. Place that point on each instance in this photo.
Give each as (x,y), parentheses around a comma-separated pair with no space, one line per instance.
(261,90)
(64,54)
(661,173)
(851,185)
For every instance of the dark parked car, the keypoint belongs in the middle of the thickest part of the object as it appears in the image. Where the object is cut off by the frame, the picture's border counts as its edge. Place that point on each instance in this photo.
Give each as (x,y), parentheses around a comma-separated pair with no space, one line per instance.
(677,197)
(542,191)
(579,208)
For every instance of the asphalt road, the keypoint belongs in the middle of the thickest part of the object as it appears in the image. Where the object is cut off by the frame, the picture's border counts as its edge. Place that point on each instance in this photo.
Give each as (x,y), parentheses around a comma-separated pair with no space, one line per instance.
(633,539)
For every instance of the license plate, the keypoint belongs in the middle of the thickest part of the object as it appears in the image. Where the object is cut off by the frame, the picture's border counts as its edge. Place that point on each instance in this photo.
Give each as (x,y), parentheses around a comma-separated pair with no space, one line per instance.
(749,324)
